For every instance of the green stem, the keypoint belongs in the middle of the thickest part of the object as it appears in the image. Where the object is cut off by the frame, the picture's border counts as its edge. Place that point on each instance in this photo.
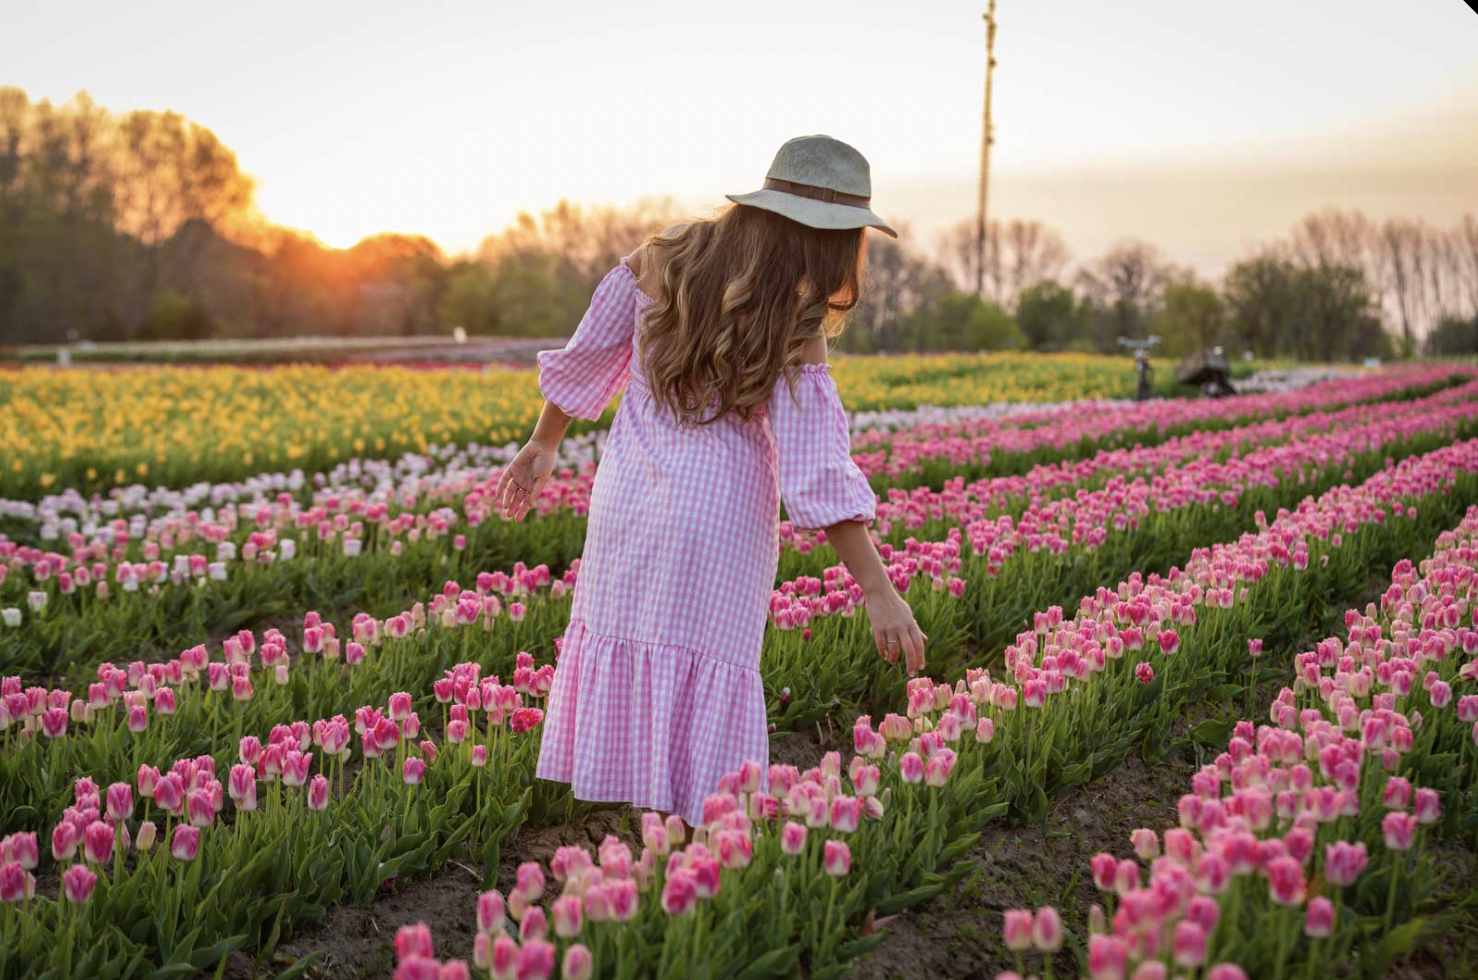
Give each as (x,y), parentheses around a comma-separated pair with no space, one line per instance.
(1391,893)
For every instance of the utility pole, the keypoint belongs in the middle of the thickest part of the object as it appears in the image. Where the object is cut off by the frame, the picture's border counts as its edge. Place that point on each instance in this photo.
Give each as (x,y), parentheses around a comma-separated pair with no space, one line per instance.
(987,137)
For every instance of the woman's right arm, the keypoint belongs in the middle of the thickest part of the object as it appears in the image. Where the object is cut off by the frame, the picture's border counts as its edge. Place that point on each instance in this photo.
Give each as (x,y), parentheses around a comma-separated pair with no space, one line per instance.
(823,488)
(893,626)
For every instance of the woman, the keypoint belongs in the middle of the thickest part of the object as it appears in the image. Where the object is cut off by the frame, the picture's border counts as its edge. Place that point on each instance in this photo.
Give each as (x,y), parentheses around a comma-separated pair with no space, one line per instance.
(717,330)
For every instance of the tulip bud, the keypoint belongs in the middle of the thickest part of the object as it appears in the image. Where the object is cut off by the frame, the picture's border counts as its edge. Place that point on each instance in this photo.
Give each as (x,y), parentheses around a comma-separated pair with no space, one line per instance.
(578,963)
(1017,930)
(145,839)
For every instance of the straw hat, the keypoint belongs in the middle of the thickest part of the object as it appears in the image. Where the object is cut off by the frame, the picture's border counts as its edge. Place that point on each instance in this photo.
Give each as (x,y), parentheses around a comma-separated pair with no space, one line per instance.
(819,182)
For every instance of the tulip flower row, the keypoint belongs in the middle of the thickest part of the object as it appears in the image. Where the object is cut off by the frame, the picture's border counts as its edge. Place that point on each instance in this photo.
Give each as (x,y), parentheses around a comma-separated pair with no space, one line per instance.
(940,452)
(195,704)
(1303,844)
(442,475)
(916,766)
(1279,815)
(192,609)
(1062,550)
(292,840)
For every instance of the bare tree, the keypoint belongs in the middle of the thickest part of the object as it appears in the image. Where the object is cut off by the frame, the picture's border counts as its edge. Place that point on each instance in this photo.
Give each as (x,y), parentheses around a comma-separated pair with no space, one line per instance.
(1034,252)
(1126,287)
(1399,241)
(1465,240)
(1018,254)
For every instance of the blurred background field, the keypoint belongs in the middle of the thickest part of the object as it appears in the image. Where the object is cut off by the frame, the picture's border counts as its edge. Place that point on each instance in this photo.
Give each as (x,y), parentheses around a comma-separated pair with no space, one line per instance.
(104,426)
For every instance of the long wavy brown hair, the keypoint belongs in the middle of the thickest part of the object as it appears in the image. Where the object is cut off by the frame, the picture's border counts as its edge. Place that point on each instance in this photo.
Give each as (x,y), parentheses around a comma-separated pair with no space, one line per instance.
(740,296)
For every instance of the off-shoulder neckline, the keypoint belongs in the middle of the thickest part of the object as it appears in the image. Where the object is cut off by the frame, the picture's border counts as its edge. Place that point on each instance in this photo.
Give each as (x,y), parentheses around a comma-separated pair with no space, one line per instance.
(636,283)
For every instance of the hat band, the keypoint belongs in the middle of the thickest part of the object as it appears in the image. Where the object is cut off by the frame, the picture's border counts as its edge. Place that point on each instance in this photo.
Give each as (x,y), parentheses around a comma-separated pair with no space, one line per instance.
(827,194)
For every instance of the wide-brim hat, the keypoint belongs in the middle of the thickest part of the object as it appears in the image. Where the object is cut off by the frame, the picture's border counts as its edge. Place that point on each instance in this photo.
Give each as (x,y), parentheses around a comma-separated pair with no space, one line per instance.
(819,182)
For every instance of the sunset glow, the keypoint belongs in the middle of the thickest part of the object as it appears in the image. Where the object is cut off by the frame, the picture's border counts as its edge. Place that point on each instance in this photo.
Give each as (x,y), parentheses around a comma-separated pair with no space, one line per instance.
(1195,127)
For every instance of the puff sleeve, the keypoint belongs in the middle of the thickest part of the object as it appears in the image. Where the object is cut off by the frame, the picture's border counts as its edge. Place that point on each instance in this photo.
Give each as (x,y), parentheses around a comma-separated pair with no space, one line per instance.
(819,483)
(582,377)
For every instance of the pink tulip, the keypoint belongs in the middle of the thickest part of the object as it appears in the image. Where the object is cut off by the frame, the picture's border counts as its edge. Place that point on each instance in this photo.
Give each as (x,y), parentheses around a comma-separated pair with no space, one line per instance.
(1190,944)
(490,912)
(536,960)
(54,722)
(1398,829)
(793,837)
(529,881)
(64,840)
(1108,957)
(1146,843)
(504,958)
(185,843)
(534,925)
(413,771)
(1204,912)
(148,832)
(676,831)
(846,812)
(1285,881)
(1397,794)
(77,883)
(318,792)
(680,893)
(1047,930)
(1254,647)
(939,766)
(1319,922)
(1104,866)
(1343,862)
(911,767)
(1226,971)
(400,706)
(1427,810)
(837,859)
(578,963)
(200,807)
(98,841)
(567,912)
(1017,930)
(242,786)
(1144,673)
(120,801)
(413,940)
(1169,642)
(16,883)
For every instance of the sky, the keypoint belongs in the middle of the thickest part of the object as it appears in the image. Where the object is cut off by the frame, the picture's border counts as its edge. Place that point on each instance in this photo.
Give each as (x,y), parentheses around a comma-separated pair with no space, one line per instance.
(1202,128)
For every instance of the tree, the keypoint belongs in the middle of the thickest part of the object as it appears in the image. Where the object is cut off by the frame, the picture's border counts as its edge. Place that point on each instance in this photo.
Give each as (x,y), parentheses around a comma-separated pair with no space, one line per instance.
(1279,308)
(896,283)
(1261,304)
(960,322)
(1192,319)
(1050,318)
(1017,254)
(1124,289)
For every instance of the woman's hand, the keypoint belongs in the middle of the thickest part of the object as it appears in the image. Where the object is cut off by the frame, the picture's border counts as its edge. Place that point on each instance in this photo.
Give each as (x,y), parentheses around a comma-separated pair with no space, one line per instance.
(895,630)
(522,480)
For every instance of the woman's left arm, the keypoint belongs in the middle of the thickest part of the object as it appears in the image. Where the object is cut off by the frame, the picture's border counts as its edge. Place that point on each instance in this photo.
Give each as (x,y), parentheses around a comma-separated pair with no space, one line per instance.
(528,473)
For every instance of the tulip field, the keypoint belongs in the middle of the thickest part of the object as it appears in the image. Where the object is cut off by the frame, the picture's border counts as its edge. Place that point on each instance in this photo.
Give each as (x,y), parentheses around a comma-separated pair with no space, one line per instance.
(273,672)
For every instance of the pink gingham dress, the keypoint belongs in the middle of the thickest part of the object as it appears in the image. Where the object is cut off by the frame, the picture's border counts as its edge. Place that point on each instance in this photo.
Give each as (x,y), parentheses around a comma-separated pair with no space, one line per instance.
(658,693)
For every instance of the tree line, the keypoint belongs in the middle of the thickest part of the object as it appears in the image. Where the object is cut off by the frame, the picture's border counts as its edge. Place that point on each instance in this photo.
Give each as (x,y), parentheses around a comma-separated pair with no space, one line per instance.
(141,225)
